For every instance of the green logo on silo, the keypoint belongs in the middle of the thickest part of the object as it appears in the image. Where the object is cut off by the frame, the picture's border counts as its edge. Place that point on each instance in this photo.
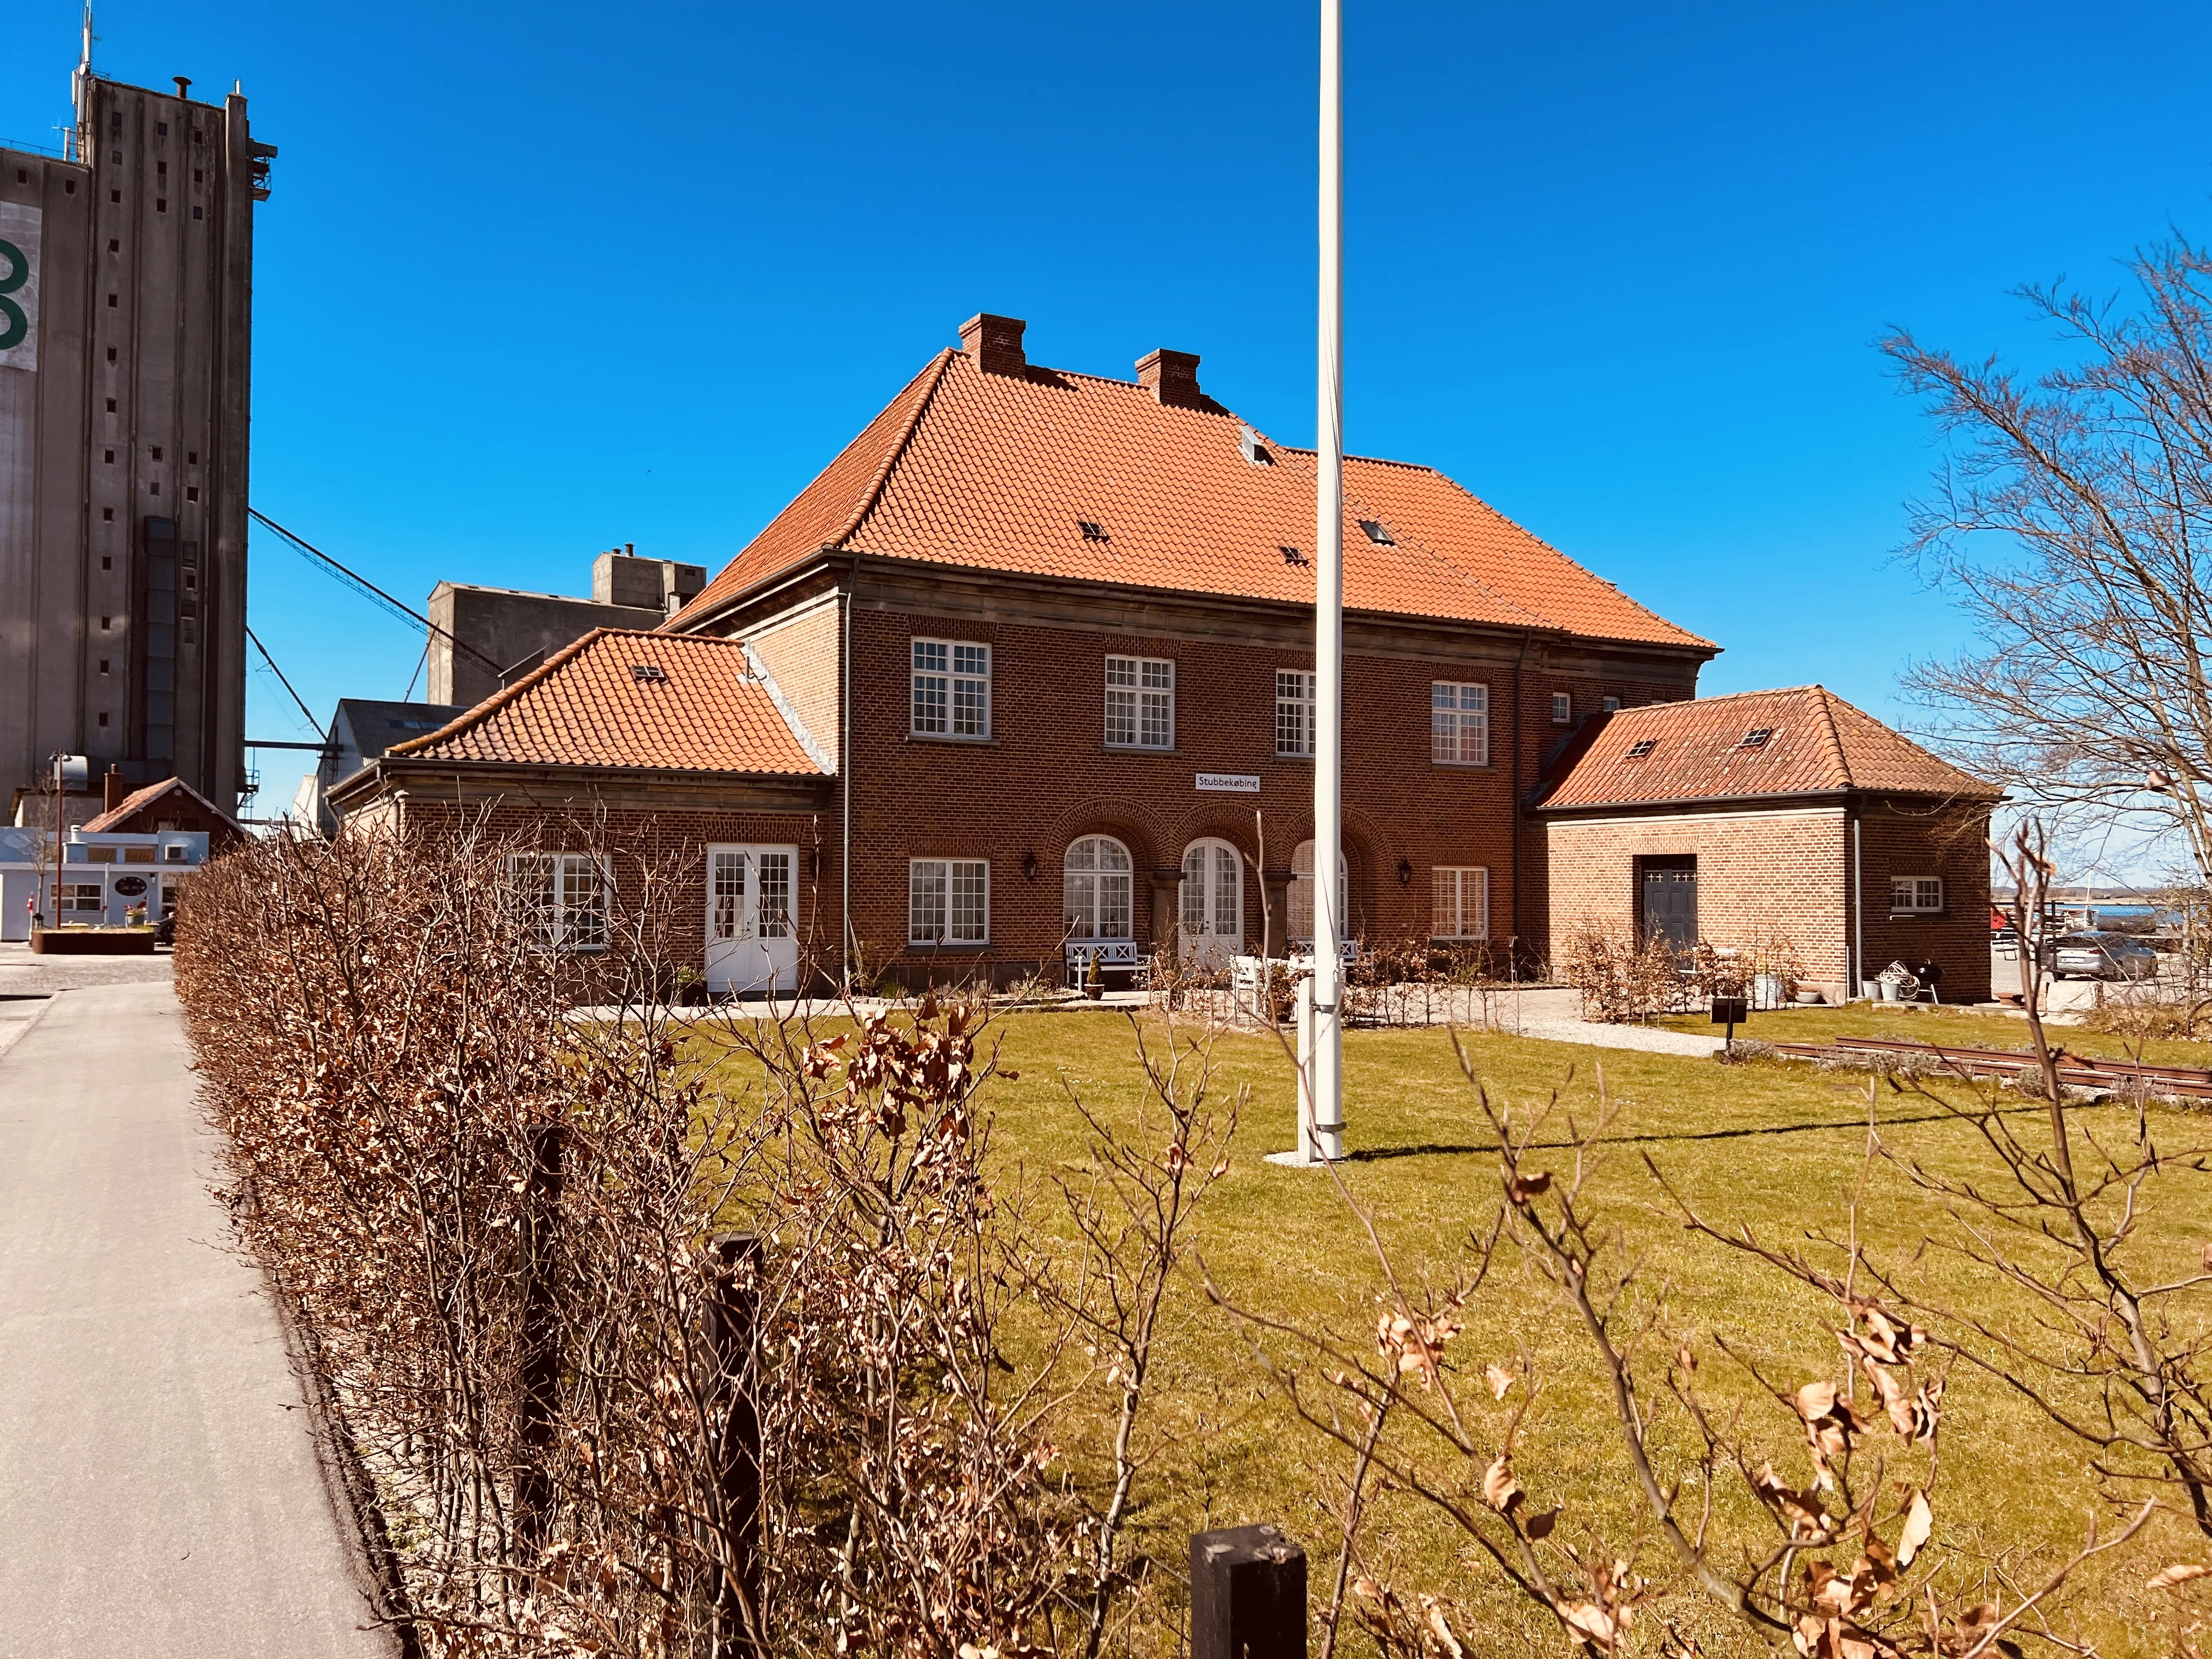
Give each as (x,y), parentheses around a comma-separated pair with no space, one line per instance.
(14,324)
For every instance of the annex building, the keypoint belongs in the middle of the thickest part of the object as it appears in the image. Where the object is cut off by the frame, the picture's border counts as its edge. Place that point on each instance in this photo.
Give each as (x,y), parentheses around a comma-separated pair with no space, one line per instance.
(1025,676)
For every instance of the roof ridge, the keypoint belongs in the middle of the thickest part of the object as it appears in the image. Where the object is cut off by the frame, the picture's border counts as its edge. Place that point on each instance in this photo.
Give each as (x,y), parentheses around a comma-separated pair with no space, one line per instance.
(873,492)
(1823,697)
(147,793)
(505,695)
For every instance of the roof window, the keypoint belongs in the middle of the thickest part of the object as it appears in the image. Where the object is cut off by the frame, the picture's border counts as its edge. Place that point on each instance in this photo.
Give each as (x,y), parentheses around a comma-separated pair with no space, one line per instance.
(1092,532)
(1642,747)
(1255,451)
(1291,555)
(1378,534)
(1756,737)
(648,673)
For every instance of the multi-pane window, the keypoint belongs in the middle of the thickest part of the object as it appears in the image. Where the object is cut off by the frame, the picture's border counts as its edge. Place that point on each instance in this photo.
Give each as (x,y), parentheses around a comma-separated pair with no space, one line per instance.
(1612,705)
(1462,902)
(1459,724)
(1097,889)
(773,874)
(1139,702)
(1563,708)
(1294,711)
(1917,895)
(564,898)
(79,896)
(948,902)
(952,689)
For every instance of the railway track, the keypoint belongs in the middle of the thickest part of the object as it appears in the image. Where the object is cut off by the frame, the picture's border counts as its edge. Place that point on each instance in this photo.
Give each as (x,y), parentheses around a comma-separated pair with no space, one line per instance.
(2075,1071)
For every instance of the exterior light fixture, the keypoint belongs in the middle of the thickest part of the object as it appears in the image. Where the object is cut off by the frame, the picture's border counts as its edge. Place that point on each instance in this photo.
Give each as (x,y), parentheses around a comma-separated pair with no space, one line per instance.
(1030,865)
(1404,873)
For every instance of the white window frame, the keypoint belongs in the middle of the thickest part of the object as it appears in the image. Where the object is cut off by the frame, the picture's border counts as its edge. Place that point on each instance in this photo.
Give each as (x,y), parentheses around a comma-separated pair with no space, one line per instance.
(1140,702)
(73,898)
(1611,705)
(1915,896)
(942,906)
(1563,708)
(1294,713)
(1090,886)
(949,689)
(549,909)
(1459,723)
(1460,902)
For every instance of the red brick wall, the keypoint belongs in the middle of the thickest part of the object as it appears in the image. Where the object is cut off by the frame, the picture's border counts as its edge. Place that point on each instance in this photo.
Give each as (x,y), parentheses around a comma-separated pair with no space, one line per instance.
(802,653)
(1046,778)
(1950,844)
(1760,874)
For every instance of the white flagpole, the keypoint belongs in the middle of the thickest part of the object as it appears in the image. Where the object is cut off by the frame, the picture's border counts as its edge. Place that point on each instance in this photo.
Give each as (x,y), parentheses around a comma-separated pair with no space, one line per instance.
(1322,1137)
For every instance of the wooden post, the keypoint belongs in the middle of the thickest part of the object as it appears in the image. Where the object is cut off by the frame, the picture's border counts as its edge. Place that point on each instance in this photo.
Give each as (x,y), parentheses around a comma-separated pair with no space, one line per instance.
(734,1440)
(541,1348)
(1248,1595)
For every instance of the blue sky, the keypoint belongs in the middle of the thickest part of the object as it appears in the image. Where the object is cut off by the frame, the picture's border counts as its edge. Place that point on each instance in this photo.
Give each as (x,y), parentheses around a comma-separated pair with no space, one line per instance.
(536,281)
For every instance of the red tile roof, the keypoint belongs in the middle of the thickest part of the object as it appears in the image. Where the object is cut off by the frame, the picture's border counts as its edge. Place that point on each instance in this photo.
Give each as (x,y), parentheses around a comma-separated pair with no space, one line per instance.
(999,472)
(1816,745)
(700,708)
(138,800)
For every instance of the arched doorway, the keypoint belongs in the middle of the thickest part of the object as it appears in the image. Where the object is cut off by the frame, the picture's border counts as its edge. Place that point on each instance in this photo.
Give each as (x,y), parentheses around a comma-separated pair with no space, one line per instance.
(1299,902)
(1212,904)
(1096,890)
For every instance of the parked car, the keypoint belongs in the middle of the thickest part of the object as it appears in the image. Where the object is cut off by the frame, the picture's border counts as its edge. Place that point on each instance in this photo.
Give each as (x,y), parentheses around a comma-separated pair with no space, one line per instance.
(2099,955)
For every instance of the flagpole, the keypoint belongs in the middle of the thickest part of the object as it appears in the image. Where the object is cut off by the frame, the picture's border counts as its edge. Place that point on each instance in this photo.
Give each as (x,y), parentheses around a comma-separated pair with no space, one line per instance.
(1323,1135)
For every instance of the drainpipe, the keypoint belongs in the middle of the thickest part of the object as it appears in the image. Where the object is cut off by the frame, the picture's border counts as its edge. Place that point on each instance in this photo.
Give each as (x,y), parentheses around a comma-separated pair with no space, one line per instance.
(1858,917)
(845,781)
(1513,845)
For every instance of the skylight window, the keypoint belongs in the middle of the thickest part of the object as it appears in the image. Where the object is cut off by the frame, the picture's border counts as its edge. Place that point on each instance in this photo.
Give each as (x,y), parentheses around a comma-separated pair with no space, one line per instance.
(1378,534)
(648,673)
(1255,451)
(1291,555)
(1092,533)
(1756,737)
(1642,747)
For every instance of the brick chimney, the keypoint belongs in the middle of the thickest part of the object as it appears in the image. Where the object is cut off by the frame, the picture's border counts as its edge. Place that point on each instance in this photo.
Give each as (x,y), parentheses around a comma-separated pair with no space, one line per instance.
(995,344)
(1171,377)
(116,789)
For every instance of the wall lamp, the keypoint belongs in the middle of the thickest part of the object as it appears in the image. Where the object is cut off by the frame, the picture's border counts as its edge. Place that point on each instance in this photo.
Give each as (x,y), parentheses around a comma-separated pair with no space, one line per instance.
(1404,873)
(1029,866)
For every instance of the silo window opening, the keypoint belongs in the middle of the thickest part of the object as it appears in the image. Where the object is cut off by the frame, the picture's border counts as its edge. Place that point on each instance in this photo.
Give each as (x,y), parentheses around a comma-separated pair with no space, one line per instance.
(107,516)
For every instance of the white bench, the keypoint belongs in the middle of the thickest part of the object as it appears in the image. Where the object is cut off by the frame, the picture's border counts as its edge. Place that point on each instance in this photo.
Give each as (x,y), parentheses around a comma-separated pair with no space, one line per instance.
(1108,953)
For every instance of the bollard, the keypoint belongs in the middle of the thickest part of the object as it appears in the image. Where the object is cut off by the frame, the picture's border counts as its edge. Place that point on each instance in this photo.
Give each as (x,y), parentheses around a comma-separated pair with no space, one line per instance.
(733,1315)
(1248,1595)
(541,1350)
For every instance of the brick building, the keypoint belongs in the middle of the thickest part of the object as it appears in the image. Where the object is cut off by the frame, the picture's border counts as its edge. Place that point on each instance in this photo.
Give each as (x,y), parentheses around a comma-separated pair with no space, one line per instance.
(1025,676)
(1770,817)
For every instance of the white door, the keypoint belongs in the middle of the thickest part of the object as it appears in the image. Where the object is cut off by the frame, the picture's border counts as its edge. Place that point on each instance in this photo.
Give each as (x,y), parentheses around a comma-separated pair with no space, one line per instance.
(1213,904)
(752,945)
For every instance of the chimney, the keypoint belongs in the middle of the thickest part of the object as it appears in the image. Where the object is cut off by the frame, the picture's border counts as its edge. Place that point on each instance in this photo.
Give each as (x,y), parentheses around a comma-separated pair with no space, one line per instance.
(116,789)
(1172,378)
(995,344)
(183,86)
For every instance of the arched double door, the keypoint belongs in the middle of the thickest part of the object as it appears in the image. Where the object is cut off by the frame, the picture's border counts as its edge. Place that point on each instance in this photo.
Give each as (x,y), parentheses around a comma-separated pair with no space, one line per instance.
(1213,904)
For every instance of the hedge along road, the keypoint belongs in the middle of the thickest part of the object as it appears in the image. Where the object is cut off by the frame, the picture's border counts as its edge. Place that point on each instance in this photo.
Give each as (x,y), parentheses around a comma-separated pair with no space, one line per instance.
(162,1491)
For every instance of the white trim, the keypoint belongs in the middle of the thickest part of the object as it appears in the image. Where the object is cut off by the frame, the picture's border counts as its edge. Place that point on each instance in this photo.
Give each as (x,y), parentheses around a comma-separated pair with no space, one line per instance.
(1301,705)
(1138,700)
(553,929)
(1689,813)
(1563,708)
(944,938)
(1913,906)
(1461,901)
(953,679)
(1468,712)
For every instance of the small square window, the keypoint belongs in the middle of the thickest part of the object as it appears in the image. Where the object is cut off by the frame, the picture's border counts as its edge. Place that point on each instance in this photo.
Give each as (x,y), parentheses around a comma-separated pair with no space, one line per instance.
(1092,532)
(103,719)
(1756,737)
(648,673)
(1291,555)
(114,194)
(1642,747)
(192,458)
(22,176)
(193,580)
(106,562)
(198,178)
(162,167)
(104,623)
(111,405)
(107,516)
(1563,708)
(111,302)
(103,665)
(191,492)
(196,213)
(161,205)
(154,488)
(1378,534)
(69,186)
(114,245)
(1139,702)
(163,128)
(111,353)
(108,455)
(157,452)
(1915,896)
(1611,705)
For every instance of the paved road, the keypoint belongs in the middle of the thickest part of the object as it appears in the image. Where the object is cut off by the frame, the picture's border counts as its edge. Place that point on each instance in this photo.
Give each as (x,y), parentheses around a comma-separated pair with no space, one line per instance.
(159,1490)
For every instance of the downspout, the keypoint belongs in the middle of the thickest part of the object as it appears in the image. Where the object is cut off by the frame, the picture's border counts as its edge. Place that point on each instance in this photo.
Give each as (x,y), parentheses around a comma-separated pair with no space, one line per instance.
(1513,846)
(1858,917)
(845,770)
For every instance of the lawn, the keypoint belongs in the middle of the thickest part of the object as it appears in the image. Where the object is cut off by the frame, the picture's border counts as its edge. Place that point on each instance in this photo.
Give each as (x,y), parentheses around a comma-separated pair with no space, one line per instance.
(1774,1145)
(1920,1022)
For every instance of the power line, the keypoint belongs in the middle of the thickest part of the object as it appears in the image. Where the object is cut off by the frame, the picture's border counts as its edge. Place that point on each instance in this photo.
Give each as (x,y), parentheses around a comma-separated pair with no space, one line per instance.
(369,590)
(313,722)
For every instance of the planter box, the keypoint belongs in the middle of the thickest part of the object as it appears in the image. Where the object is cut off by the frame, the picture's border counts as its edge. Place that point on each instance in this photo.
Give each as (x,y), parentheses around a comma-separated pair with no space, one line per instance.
(93,942)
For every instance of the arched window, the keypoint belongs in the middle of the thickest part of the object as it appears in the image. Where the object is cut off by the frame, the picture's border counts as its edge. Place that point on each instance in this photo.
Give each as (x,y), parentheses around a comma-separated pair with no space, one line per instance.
(1096,889)
(1299,900)
(1212,902)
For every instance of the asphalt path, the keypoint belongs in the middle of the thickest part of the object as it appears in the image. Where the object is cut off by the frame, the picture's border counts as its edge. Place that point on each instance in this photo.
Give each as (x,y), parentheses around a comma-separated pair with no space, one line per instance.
(160,1487)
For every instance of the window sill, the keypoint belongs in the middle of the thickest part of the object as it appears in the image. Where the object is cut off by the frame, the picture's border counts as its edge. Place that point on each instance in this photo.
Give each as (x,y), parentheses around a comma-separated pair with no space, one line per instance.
(1135,749)
(1461,766)
(914,948)
(944,736)
(1916,915)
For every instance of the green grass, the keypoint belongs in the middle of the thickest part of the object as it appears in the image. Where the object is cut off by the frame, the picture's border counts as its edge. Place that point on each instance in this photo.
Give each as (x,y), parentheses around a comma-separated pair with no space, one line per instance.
(1776,1147)
(1918,1023)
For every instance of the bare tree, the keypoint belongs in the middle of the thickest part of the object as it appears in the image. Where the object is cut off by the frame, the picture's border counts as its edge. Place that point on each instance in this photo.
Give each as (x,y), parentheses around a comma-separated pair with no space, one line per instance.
(2072,523)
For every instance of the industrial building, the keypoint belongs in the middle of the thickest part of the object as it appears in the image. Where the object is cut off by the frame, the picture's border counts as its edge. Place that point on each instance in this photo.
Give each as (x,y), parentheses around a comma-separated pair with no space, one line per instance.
(126,307)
